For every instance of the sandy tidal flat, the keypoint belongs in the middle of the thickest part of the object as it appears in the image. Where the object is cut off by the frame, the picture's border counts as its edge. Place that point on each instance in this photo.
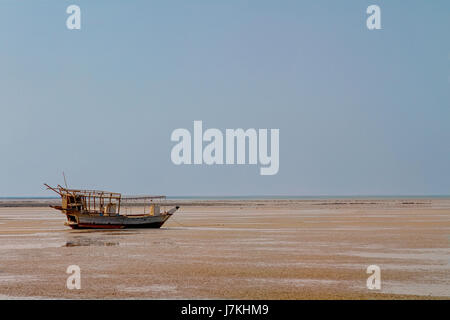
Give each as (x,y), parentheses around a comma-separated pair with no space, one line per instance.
(271,249)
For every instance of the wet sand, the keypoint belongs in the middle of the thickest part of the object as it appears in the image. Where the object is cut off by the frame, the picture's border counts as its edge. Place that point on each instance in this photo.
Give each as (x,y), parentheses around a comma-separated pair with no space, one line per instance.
(271,249)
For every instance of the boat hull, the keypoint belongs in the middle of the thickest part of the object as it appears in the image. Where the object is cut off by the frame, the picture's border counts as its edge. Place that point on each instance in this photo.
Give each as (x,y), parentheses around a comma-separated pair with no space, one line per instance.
(117,222)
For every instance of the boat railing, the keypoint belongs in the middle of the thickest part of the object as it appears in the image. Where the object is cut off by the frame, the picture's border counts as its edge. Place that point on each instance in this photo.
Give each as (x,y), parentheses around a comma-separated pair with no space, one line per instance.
(105,202)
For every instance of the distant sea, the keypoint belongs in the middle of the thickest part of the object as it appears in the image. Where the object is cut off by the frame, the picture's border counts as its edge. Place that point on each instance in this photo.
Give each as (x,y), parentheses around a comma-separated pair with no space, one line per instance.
(271,197)
(307,197)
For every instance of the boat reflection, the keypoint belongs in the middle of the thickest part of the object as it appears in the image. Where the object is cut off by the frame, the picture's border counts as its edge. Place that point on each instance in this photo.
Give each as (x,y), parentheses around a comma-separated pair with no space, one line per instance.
(86,242)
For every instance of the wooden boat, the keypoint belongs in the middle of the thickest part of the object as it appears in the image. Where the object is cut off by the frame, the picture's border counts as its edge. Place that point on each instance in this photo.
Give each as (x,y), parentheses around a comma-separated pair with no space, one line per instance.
(102,209)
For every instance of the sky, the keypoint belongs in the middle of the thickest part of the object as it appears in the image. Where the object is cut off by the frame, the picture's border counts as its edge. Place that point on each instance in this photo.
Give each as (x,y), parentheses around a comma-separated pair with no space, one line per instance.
(359,112)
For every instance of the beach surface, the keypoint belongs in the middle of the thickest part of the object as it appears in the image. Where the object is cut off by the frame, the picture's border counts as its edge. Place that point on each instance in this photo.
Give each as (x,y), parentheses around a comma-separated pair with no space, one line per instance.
(234,249)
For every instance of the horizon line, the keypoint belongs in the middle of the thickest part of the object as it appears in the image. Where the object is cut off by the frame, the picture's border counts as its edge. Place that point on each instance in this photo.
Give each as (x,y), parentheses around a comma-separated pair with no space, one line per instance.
(266,196)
